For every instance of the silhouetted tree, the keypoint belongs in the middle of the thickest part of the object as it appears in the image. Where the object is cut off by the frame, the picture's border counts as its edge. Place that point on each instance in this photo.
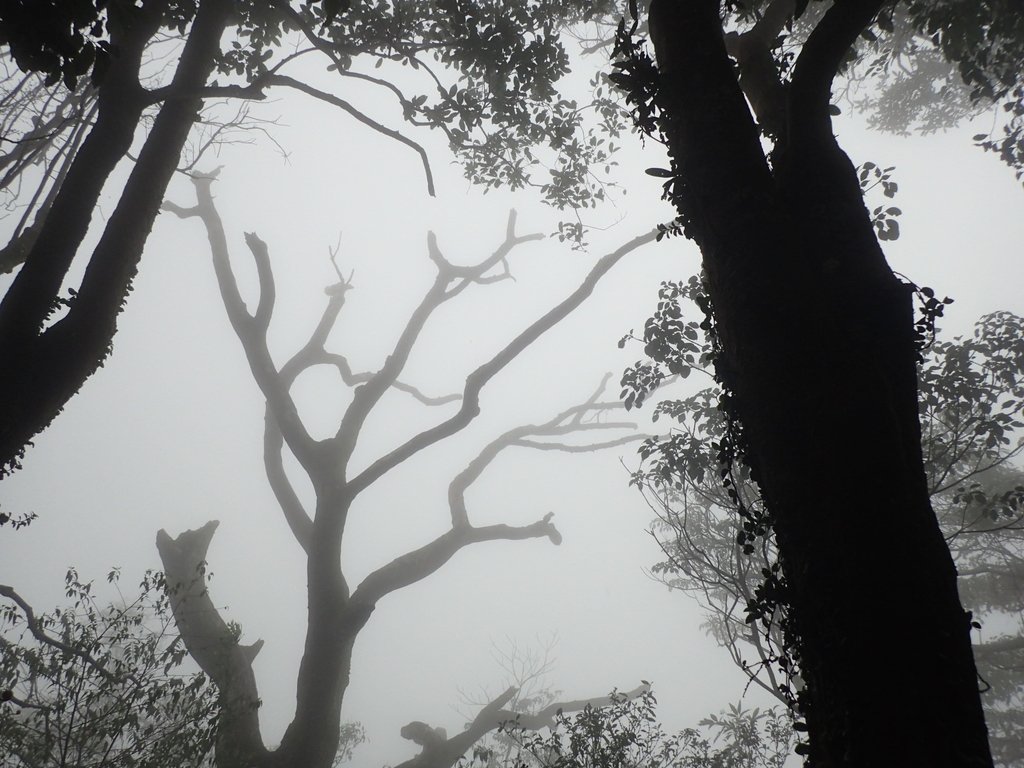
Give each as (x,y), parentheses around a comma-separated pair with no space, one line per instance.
(815,346)
(971,414)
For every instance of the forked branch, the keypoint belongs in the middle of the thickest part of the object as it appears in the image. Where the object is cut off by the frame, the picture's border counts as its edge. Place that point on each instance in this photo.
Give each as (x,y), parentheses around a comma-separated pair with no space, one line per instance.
(477,379)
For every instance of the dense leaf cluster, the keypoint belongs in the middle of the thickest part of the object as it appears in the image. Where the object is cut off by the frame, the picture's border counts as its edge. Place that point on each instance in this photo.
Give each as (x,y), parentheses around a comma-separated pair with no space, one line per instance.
(626,734)
(95,685)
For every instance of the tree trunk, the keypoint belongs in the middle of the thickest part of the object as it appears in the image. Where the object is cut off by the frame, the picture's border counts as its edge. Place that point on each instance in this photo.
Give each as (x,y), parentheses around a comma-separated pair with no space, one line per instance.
(818,349)
(333,623)
(45,368)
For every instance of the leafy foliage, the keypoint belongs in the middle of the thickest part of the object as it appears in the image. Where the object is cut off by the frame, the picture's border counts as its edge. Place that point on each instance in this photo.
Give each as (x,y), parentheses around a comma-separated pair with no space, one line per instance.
(92,685)
(489,81)
(60,39)
(626,734)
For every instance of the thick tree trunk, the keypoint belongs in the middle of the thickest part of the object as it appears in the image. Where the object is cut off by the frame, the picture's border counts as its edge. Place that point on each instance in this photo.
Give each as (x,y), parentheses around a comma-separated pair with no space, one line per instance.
(818,348)
(45,368)
(334,621)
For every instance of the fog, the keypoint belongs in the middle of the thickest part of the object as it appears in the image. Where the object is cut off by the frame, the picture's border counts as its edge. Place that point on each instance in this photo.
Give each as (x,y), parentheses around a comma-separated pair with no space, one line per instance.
(169,433)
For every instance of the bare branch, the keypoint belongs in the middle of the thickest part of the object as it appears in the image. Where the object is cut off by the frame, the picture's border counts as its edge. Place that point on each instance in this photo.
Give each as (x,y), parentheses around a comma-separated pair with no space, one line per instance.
(478,378)
(40,634)
(333,100)
(295,515)
(568,421)
(250,329)
(367,396)
(417,565)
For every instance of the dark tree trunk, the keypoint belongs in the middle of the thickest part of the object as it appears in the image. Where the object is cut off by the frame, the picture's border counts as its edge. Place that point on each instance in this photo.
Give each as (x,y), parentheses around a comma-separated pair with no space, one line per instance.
(44,368)
(818,347)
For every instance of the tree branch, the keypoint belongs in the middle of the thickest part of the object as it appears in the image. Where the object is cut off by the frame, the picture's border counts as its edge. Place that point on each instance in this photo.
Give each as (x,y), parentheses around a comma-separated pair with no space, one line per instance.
(818,63)
(417,565)
(329,98)
(1002,645)
(40,634)
(367,395)
(210,641)
(478,378)
(759,77)
(251,329)
(295,515)
(568,421)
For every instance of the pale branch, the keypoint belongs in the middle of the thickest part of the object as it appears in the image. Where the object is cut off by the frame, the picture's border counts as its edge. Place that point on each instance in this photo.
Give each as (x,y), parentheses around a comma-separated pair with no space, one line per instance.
(329,98)
(568,421)
(211,643)
(759,77)
(572,448)
(40,634)
(268,289)
(477,379)
(439,751)
(295,514)
(350,378)
(249,328)
(417,565)
(369,394)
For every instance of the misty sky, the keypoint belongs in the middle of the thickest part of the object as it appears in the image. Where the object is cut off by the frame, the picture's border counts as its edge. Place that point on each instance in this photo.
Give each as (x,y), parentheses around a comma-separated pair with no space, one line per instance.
(169,433)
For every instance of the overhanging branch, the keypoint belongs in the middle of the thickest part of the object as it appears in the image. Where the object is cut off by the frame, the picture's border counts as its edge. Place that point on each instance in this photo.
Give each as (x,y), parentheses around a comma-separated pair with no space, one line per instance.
(330,98)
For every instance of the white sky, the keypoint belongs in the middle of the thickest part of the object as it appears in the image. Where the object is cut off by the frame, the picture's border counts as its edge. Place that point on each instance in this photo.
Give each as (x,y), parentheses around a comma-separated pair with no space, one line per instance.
(169,433)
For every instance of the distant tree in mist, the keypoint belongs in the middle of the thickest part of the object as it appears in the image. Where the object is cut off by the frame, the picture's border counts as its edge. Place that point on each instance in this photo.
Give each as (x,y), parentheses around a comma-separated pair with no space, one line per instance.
(713,534)
(338,611)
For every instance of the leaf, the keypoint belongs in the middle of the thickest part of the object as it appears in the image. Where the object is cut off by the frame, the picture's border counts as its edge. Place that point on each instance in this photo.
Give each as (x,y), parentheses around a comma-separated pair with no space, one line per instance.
(661,173)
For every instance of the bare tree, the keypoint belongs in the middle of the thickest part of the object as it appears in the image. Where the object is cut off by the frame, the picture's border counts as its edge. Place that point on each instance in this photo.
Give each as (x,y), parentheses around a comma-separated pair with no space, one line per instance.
(337,613)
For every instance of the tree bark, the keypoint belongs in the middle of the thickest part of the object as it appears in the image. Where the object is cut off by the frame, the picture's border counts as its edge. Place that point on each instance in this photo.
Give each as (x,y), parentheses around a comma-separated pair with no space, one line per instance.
(818,351)
(44,368)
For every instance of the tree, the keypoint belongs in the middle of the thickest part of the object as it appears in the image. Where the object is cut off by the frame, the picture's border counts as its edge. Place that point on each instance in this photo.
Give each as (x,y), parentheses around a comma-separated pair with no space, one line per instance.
(971,409)
(337,612)
(815,348)
(487,77)
(100,686)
